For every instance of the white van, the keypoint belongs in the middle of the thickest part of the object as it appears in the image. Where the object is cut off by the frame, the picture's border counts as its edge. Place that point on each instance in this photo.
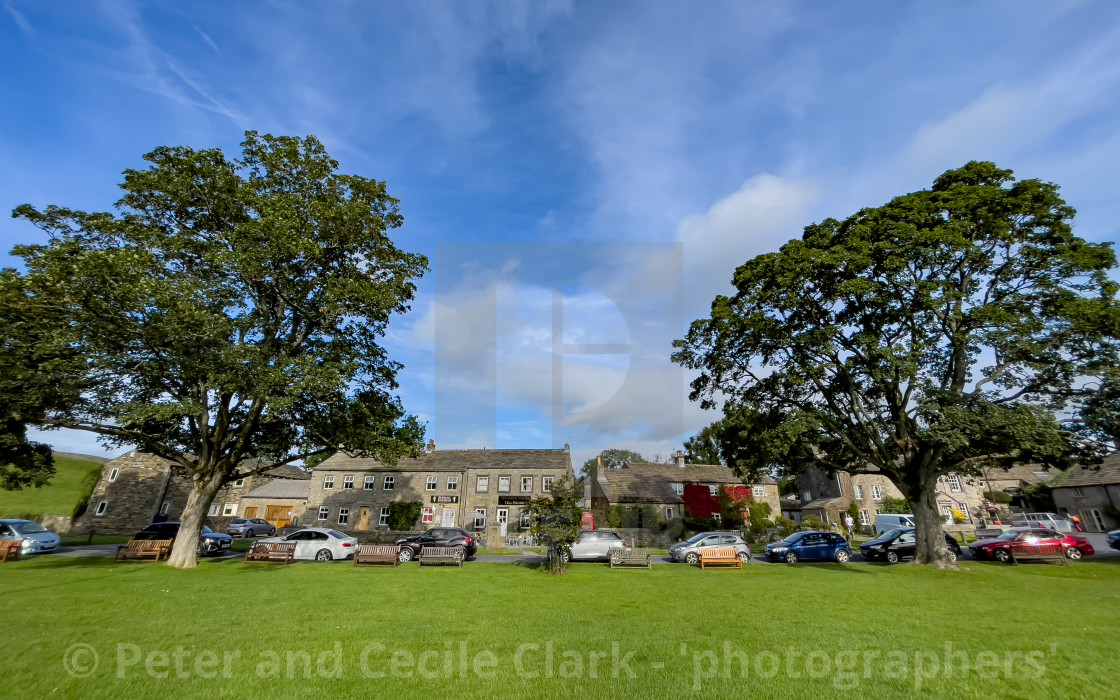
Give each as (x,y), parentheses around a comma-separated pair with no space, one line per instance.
(885,522)
(1048,520)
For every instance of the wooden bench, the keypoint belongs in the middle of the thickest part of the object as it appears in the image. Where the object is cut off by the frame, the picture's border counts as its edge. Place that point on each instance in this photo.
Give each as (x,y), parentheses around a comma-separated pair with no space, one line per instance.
(637,558)
(720,557)
(377,554)
(442,555)
(1037,552)
(10,548)
(139,549)
(271,551)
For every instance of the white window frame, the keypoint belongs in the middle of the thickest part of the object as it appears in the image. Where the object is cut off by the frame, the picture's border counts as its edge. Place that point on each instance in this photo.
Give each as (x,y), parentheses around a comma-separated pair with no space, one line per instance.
(101,508)
(954,483)
(482,484)
(113,474)
(806,496)
(526,480)
(479,514)
(452,483)
(678,488)
(546,483)
(343,515)
(215,508)
(876,493)
(502,516)
(389,483)
(163,509)
(324,512)
(717,517)
(430,485)
(713,490)
(229,509)
(669,512)
(428,514)
(348,482)
(504,484)
(758,491)
(383,517)
(369,483)
(859,493)
(864,518)
(328,482)
(239,483)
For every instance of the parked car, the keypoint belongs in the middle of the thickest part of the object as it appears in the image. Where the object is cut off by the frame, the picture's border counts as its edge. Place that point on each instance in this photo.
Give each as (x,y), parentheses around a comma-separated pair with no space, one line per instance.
(1114,539)
(319,544)
(209,542)
(36,538)
(885,522)
(594,545)
(250,527)
(688,550)
(899,544)
(438,537)
(999,548)
(810,546)
(1050,521)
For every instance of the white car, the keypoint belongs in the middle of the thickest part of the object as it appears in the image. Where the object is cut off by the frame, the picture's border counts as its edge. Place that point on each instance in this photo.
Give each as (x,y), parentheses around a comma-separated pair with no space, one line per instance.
(319,544)
(1052,521)
(36,539)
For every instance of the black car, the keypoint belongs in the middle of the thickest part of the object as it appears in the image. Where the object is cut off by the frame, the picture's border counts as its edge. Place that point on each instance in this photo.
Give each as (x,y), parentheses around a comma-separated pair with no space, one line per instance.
(209,542)
(437,537)
(894,545)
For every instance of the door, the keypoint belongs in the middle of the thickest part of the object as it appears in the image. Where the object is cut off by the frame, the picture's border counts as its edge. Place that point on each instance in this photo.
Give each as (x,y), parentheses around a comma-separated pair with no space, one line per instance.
(502,517)
(279,516)
(363,518)
(448,517)
(905,545)
(812,547)
(1093,520)
(250,512)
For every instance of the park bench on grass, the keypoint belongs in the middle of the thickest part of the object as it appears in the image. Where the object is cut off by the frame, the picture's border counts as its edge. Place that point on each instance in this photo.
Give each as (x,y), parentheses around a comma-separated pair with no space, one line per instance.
(377,554)
(271,551)
(139,549)
(719,557)
(442,555)
(1037,552)
(10,548)
(630,558)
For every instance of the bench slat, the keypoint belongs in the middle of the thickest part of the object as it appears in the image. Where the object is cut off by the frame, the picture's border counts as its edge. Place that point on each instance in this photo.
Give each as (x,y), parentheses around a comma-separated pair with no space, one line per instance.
(11,548)
(719,556)
(139,549)
(377,553)
(442,555)
(637,557)
(271,551)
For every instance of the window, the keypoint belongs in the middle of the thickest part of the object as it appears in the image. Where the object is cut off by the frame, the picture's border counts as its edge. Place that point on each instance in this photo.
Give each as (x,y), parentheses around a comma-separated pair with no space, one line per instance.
(1079,491)
(859,492)
(452,483)
(324,512)
(369,482)
(717,518)
(546,483)
(482,484)
(526,519)
(343,515)
(328,482)
(384,519)
(758,491)
(1042,475)
(713,490)
(229,509)
(389,483)
(101,508)
(806,496)
(431,485)
(347,482)
(877,493)
(214,508)
(954,483)
(113,474)
(479,518)
(526,484)
(427,515)
(669,513)
(678,488)
(165,507)
(502,516)
(503,484)
(864,518)
(239,483)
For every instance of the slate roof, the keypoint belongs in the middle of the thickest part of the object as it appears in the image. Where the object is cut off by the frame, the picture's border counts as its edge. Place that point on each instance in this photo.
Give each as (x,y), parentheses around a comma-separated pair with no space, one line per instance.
(1107,472)
(825,502)
(454,460)
(282,488)
(646,482)
(288,471)
(1021,472)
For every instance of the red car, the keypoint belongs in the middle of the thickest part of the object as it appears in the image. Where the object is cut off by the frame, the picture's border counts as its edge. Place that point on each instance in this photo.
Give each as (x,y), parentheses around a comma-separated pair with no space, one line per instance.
(1000,548)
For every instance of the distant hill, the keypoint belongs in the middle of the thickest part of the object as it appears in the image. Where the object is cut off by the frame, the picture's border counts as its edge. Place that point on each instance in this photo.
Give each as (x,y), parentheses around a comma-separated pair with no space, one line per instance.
(75,476)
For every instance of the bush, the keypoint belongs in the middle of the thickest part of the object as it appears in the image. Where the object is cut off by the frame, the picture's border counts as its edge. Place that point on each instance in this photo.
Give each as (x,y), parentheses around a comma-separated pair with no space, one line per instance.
(403,514)
(813,523)
(89,483)
(997,497)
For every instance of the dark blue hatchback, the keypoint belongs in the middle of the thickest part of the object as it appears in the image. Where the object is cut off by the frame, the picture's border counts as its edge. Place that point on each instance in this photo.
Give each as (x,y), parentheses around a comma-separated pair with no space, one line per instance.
(810,546)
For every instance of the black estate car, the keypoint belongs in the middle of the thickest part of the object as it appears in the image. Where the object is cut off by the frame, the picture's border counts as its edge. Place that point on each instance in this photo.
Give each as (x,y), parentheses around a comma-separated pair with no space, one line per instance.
(209,542)
(894,545)
(437,537)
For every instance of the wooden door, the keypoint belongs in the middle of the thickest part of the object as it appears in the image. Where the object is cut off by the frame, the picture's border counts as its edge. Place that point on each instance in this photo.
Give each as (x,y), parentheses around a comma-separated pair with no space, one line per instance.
(250,512)
(363,518)
(280,516)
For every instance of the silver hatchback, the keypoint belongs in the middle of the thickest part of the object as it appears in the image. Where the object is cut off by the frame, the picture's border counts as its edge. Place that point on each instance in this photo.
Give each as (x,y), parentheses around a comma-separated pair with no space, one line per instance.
(594,544)
(36,539)
(688,551)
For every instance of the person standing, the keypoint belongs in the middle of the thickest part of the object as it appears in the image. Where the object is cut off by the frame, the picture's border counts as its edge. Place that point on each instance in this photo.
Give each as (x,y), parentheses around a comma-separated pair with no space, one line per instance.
(849,524)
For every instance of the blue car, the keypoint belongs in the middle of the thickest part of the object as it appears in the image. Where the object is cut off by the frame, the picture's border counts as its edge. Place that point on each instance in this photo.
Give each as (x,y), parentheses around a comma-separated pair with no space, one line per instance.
(1114,539)
(810,546)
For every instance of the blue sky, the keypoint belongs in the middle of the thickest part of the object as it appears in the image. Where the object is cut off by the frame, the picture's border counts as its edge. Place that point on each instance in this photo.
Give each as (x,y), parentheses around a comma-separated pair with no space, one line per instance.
(628,155)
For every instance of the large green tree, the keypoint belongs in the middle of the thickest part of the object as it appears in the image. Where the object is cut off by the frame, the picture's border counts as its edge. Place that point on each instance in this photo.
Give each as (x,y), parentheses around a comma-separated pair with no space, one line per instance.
(930,335)
(610,458)
(226,317)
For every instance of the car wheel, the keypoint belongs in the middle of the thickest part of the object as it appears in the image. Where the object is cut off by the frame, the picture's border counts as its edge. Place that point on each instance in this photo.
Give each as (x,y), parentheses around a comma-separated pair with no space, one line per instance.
(745,557)
(461,553)
(953,555)
(323,555)
(843,556)
(791,557)
(692,558)
(249,533)
(272,532)
(1073,553)
(405,555)
(1001,555)
(565,557)
(892,557)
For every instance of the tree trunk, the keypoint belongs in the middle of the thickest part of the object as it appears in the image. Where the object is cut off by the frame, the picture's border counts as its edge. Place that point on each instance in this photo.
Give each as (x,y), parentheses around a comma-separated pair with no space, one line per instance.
(930,536)
(184,553)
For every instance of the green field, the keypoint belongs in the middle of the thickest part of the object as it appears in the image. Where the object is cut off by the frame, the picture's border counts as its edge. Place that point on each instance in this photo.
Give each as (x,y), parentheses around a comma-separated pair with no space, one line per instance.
(57,498)
(227,629)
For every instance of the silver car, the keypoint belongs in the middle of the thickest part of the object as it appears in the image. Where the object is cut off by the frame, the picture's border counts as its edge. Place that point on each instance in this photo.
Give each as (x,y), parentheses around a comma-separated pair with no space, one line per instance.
(319,544)
(689,550)
(36,539)
(250,527)
(594,544)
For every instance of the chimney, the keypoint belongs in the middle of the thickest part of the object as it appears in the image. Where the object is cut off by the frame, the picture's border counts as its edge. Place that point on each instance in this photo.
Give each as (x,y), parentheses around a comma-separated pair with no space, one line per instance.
(431,446)
(567,447)
(680,459)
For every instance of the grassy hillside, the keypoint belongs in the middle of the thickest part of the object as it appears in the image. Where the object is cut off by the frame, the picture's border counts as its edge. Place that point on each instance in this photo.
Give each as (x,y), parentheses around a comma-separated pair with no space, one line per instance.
(59,497)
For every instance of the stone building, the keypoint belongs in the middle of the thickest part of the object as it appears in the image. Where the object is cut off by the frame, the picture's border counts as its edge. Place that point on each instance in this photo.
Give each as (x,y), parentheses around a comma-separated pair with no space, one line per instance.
(1092,494)
(666,487)
(456,488)
(139,488)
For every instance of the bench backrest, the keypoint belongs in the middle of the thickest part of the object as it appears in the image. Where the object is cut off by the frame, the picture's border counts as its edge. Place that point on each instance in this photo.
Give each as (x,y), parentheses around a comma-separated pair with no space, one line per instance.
(147,545)
(273,547)
(718,553)
(1052,550)
(440,551)
(378,550)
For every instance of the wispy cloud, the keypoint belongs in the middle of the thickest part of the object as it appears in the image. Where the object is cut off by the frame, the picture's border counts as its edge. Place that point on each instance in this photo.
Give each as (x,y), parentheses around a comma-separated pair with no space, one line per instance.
(20,20)
(207,39)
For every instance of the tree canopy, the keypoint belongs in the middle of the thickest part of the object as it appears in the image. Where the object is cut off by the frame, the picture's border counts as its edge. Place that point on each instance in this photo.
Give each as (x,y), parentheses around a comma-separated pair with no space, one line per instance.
(226,317)
(926,336)
(612,458)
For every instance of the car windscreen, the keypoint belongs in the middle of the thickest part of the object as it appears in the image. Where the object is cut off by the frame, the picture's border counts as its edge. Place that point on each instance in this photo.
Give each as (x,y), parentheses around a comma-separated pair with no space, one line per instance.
(1009,535)
(793,538)
(891,534)
(28,528)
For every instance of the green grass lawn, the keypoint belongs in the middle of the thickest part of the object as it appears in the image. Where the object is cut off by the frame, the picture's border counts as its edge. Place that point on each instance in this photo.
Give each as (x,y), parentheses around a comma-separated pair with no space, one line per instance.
(57,498)
(501,630)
